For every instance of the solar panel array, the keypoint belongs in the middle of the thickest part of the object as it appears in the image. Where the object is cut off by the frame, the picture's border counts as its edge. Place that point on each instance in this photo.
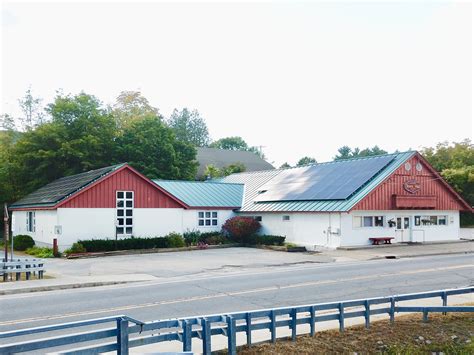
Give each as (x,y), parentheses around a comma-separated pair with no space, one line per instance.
(330,181)
(58,189)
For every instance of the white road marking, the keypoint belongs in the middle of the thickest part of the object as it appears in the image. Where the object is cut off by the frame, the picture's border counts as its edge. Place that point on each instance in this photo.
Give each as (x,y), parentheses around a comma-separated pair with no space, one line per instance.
(120,309)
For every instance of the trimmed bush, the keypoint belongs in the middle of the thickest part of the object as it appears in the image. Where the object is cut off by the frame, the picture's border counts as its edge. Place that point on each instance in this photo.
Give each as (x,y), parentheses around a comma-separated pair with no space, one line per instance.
(175,240)
(191,237)
(213,238)
(266,240)
(22,242)
(76,248)
(241,229)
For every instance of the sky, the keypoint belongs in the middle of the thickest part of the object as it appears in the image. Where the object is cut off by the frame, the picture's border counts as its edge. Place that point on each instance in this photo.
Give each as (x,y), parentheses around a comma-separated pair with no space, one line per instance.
(296,78)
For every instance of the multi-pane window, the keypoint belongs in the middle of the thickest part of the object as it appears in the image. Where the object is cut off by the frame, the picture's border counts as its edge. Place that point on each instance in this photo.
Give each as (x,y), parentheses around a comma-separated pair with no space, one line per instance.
(124,225)
(30,221)
(285,218)
(367,221)
(431,220)
(207,218)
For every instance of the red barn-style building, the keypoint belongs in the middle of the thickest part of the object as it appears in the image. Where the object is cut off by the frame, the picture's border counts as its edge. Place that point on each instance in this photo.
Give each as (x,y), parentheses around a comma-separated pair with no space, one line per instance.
(332,204)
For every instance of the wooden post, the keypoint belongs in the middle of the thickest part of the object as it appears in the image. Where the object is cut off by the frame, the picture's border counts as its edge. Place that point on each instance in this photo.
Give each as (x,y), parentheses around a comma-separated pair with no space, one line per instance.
(122,336)
(55,247)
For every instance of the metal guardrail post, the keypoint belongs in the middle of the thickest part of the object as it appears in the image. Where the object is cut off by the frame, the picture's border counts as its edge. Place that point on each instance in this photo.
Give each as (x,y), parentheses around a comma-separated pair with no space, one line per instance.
(293,324)
(392,309)
(122,336)
(231,336)
(341,317)
(312,316)
(187,335)
(273,325)
(444,296)
(425,315)
(248,317)
(206,336)
(367,314)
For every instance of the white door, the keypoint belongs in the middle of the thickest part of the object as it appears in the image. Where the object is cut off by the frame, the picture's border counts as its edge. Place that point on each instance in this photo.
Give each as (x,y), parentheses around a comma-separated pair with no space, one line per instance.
(403,229)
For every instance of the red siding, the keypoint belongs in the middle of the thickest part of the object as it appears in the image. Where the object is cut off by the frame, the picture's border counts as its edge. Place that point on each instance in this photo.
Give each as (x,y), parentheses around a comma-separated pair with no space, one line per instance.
(102,195)
(384,197)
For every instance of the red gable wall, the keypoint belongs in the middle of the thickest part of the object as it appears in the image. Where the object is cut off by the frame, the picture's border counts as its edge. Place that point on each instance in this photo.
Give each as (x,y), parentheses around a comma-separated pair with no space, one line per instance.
(432,193)
(102,195)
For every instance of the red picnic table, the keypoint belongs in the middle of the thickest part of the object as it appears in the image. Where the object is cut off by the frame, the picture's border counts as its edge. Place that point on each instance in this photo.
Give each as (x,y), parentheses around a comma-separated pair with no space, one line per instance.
(377,240)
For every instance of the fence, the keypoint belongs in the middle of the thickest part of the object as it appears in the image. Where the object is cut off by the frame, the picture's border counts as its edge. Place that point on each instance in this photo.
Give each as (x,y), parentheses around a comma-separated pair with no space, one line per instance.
(18,266)
(229,325)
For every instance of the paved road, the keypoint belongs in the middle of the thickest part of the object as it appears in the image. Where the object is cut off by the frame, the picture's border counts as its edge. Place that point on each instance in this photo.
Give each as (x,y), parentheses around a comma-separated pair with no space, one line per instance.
(238,291)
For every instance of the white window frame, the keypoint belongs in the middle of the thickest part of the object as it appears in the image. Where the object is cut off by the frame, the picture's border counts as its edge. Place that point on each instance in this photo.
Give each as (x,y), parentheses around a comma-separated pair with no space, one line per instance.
(420,218)
(358,221)
(207,219)
(31,221)
(121,229)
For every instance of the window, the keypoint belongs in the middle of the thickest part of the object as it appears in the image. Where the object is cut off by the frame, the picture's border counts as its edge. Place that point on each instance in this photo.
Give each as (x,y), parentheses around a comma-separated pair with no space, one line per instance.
(285,218)
(367,221)
(431,220)
(124,223)
(258,218)
(31,221)
(207,218)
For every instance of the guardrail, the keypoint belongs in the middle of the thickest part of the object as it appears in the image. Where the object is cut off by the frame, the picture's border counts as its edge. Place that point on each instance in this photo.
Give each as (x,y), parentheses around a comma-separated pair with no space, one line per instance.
(229,325)
(18,266)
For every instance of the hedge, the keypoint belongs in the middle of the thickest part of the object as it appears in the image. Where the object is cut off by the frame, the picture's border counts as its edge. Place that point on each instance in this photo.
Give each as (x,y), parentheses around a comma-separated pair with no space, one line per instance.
(195,237)
(266,240)
(22,242)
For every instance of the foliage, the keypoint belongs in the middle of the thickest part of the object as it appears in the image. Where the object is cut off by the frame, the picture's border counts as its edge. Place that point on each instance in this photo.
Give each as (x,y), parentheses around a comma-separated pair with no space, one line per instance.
(175,240)
(189,127)
(195,237)
(33,112)
(455,162)
(76,248)
(40,252)
(233,169)
(230,143)
(172,240)
(22,242)
(7,122)
(131,106)
(240,229)
(285,165)
(266,240)
(212,172)
(305,161)
(151,147)
(346,152)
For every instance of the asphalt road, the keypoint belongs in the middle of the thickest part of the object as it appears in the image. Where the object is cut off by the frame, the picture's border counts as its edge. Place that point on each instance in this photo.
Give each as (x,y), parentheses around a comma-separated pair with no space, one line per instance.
(246,290)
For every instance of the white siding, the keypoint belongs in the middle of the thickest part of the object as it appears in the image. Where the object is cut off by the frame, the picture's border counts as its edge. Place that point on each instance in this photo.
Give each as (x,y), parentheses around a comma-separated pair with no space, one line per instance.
(360,235)
(312,230)
(190,220)
(85,223)
(157,222)
(44,231)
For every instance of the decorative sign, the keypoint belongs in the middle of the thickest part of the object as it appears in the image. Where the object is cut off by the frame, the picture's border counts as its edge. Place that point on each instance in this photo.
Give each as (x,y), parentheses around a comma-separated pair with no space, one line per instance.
(412,186)
(58,230)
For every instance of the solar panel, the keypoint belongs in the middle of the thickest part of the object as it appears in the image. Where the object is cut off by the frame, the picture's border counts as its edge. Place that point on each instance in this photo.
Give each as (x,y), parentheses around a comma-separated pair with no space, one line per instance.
(331,181)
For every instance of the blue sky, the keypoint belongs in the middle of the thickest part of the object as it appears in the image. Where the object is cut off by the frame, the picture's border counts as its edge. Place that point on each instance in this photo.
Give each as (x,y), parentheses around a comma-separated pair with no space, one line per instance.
(297,78)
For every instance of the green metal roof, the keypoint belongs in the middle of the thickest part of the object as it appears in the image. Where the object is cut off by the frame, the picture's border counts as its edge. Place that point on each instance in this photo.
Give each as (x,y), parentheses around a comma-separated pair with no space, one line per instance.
(204,194)
(254,180)
(56,191)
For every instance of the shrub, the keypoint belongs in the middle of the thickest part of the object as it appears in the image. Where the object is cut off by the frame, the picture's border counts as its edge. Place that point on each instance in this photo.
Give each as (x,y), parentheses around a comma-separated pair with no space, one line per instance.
(22,242)
(75,249)
(40,252)
(266,240)
(191,237)
(175,240)
(241,229)
(213,238)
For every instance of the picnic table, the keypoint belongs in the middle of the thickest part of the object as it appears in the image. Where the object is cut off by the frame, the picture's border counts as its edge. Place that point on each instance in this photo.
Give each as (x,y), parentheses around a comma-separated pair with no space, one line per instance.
(377,240)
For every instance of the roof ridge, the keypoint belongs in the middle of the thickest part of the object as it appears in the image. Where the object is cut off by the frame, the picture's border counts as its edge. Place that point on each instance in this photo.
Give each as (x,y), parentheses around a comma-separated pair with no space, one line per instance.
(198,182)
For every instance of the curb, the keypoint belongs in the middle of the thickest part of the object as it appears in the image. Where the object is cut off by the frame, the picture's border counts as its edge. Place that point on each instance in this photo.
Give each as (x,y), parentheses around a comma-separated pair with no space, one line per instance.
(61,287)
(404,244)
(394,256)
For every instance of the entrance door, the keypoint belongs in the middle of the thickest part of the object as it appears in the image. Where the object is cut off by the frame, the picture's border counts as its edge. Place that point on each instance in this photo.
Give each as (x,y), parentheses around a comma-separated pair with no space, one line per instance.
(403,229)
